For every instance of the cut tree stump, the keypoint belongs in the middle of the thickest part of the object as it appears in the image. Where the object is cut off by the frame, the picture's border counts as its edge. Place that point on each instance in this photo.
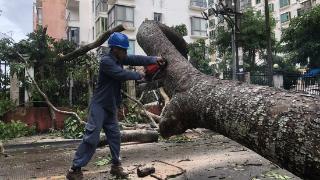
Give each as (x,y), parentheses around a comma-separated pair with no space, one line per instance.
(282,126)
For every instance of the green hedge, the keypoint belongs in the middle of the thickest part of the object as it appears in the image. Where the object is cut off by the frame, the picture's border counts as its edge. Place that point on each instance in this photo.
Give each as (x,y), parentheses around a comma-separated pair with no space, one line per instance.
(15,129)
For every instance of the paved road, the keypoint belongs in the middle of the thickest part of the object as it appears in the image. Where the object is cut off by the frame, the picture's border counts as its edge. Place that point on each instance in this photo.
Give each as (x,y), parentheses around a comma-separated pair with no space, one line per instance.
(205,156)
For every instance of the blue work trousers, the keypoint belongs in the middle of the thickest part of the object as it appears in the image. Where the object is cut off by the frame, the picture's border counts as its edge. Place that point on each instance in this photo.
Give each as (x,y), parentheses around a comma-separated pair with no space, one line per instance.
(99,118)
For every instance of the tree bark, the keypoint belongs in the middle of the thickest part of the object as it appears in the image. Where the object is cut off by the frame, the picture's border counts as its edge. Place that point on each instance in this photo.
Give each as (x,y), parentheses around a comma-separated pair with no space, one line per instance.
(281,126)
(141,136)
(269,52)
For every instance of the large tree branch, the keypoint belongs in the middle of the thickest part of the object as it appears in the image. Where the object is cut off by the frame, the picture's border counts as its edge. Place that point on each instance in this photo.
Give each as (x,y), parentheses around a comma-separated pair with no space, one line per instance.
(84,49)
(282,126)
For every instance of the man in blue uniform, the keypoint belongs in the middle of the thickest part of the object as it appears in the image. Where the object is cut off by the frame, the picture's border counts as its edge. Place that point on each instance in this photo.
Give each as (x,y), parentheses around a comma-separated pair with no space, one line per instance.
(104,104)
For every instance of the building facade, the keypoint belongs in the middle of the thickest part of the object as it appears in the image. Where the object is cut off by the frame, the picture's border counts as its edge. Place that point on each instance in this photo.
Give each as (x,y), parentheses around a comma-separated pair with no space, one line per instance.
(87,20)
(169,12)
(83,21)
(52,15)
(283,11)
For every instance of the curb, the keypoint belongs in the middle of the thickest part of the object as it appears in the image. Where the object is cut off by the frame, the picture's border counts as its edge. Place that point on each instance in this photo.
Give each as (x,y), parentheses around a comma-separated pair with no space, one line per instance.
(62,143)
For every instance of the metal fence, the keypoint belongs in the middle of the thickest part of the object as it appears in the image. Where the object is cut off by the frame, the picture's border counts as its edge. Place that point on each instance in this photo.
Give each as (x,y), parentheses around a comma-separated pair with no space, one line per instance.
(291,81)
(227,74)
(301,83)
(259,79)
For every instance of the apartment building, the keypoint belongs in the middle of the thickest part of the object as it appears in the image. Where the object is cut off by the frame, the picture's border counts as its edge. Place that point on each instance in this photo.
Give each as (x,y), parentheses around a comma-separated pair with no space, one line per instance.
(50,13)
(87,19)
(284,10)
(83,21)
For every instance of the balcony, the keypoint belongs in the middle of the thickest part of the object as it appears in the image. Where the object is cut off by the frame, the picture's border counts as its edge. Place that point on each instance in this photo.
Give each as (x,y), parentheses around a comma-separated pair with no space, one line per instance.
(72,19)
(112,2)
(306,5)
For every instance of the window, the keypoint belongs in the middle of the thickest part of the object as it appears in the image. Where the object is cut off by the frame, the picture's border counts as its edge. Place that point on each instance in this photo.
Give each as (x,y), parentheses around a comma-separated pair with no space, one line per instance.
(101,25)
(131,49)
(212,23)
(284,3)
(307,5)
(212,34)
(100,6)
(73,34)
(271,7)
(198,3)
(39,15)
(120,14)
(198,26)
(258,1)
(285,17)
(300,12)
(157,17)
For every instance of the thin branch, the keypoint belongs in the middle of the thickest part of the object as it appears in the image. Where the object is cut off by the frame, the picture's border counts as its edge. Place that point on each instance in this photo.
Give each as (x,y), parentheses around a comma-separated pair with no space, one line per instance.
(46,97)
(140,98)
(166,99)
(154,116)
(164,95)
(182,171)
(156,177)
(153,123)
(84,49)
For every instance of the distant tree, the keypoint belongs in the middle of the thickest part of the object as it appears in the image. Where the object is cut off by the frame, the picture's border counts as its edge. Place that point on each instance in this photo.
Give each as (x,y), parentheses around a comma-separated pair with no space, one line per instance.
(51,73)
(180,29)
(252,38)
(302,38)
(198,52)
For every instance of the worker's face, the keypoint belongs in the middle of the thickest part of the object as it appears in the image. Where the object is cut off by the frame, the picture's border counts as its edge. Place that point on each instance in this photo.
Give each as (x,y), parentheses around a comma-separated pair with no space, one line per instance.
(119,53)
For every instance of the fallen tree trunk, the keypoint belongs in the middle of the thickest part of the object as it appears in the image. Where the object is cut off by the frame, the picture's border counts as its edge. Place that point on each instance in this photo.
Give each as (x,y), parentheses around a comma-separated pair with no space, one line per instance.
(282,126)
(141,136)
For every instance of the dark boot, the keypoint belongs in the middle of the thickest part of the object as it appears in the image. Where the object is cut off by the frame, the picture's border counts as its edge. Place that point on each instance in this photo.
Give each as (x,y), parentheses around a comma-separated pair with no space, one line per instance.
(74,174)
(118,171)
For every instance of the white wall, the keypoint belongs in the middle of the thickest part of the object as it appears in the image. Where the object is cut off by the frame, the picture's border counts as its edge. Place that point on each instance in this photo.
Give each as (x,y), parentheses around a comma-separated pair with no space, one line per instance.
(292,8)
(174,12)
(73,18)
(86,23)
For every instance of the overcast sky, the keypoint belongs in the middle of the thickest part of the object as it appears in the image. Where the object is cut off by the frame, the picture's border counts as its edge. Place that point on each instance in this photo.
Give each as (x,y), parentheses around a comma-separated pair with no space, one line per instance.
(16,18)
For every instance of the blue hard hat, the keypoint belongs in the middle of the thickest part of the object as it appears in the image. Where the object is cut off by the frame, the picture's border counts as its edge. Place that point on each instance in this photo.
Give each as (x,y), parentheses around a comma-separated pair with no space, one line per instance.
(119,40)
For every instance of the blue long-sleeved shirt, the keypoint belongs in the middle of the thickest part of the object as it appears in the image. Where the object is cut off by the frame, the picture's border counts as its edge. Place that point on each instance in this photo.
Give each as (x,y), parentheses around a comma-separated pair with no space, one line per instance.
(111,75)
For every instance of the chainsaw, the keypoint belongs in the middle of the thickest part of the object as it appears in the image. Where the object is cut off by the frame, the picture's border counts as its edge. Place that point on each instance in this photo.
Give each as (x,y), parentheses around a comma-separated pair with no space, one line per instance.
(153,71)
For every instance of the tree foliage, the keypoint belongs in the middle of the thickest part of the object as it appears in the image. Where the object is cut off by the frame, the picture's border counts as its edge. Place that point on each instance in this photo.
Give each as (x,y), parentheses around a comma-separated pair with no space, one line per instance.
(252,37)
(181,29)
(198,52)
(302,38)
(51,74)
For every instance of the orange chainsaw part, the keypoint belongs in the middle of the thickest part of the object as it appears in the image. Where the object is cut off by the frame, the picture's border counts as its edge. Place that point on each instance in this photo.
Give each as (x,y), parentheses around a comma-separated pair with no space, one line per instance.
(151,69)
